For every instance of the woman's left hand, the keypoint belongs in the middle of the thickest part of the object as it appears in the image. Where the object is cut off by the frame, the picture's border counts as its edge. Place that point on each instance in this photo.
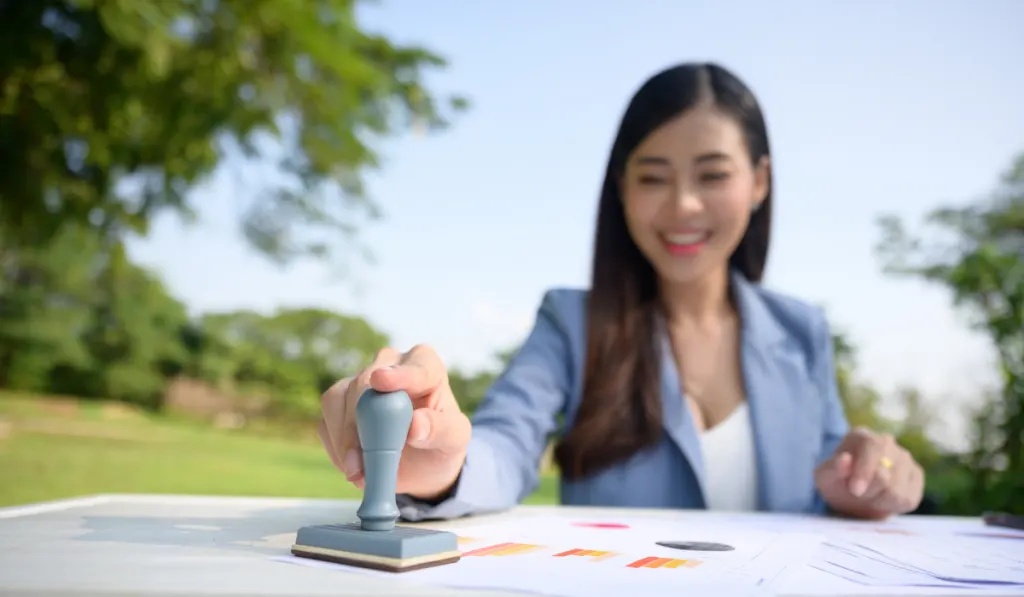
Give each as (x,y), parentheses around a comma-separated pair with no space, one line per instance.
(870,476)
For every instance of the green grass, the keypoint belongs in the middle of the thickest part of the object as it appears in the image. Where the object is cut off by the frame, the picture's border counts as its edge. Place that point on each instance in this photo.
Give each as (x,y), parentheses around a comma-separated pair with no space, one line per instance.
(52,451)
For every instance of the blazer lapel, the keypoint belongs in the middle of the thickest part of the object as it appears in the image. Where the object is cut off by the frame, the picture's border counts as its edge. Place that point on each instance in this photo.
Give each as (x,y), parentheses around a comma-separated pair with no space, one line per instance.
(676,418)
(770,364)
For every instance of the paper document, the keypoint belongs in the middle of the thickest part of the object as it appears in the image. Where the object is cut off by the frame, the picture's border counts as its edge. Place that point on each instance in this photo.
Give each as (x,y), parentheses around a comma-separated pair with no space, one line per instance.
(571,557)
(925,561)
(909,552)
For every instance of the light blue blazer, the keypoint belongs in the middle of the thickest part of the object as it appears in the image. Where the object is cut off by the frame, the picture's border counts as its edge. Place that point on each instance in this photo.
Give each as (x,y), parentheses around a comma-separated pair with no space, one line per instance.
(789,377)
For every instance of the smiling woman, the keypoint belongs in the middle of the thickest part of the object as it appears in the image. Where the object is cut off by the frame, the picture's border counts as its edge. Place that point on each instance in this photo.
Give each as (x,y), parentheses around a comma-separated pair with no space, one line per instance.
(688,168)
(676,380)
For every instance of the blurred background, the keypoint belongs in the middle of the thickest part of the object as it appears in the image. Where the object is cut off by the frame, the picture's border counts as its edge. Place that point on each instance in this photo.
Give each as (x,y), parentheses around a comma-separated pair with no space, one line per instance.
(212,209)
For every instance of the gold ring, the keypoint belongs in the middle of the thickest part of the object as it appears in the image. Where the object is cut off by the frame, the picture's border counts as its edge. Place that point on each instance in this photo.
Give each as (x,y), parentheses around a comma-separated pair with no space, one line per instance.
(885,462)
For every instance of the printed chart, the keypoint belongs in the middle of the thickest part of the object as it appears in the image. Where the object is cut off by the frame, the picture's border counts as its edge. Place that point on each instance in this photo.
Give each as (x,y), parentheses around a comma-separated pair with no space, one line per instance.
(565,557)
(590,555)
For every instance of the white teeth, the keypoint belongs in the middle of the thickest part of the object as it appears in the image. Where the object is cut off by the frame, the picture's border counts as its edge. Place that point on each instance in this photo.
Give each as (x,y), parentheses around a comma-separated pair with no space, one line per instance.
(685,239)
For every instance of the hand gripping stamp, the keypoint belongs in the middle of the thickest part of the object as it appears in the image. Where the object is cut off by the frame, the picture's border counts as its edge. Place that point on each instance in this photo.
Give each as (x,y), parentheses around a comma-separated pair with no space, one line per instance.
(383,421)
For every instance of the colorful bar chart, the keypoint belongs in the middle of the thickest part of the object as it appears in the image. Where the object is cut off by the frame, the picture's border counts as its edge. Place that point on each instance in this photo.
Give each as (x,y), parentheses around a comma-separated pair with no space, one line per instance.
(655,562)
(593,554)
(504,549)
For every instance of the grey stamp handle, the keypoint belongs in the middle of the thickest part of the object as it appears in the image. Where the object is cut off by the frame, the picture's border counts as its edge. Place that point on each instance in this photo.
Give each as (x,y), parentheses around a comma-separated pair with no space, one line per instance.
(382,420)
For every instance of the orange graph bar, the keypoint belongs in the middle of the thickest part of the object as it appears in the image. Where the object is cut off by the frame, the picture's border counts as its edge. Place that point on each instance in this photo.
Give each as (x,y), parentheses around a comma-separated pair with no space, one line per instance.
(486,550)
(593,554)
(502,549)
(514,549)
(655,562)
(641,563)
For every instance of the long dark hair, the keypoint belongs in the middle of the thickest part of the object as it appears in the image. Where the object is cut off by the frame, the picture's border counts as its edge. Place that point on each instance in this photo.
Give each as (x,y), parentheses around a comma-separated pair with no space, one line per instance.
(620,408)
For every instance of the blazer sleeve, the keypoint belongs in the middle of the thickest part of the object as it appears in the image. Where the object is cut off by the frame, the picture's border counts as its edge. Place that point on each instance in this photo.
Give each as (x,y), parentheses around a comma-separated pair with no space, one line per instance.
(834,423)
(510,427)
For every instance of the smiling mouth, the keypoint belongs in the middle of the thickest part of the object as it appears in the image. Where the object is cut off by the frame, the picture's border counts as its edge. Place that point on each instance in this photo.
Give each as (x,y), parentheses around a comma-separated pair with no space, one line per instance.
(688,243)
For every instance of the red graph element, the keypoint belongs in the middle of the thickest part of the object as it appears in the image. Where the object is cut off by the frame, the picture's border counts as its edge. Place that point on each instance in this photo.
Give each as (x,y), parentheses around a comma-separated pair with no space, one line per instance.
(601,525)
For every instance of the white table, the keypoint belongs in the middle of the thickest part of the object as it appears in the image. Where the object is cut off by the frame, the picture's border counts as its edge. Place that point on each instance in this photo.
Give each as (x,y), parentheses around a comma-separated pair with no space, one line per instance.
(156,545)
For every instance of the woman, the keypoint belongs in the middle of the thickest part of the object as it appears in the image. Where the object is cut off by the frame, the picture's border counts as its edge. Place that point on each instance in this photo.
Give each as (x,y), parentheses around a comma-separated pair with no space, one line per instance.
(677,381)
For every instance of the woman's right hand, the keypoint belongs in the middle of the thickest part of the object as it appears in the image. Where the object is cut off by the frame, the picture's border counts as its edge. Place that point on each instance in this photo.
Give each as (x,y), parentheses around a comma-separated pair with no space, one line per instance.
(438,436)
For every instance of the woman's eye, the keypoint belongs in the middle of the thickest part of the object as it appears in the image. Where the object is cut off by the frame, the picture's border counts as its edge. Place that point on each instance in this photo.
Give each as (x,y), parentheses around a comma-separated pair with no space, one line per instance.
(714,176)
(650,180)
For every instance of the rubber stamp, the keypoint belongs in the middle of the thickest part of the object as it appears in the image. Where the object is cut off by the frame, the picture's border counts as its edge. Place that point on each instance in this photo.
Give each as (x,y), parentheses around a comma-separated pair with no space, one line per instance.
(383,421)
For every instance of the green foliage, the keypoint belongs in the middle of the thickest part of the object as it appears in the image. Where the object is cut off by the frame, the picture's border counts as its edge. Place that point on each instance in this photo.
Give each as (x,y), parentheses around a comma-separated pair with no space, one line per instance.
(295,353)
(980,260)
(75,318)
(44,298)
(112,112)
(76,321)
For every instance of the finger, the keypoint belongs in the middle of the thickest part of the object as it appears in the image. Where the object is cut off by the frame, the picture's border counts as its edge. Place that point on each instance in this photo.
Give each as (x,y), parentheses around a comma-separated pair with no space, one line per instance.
(837,468)
(332,409)
(325,439)
(419,373)
(881,484)
(348,442)
(445,431)
(913,492)
(352,465)
(332,404)
(338,462)
(867,457)
(899,496)
(384,358)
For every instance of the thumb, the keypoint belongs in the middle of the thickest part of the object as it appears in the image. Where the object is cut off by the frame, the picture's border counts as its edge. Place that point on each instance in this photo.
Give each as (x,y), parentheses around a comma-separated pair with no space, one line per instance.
(447,431)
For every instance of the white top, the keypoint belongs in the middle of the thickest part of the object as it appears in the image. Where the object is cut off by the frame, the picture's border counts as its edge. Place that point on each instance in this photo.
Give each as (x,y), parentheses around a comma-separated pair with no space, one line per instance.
(730,463)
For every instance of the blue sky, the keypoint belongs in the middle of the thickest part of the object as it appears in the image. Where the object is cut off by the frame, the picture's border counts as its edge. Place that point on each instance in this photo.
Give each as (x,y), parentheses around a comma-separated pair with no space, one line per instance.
(872,107)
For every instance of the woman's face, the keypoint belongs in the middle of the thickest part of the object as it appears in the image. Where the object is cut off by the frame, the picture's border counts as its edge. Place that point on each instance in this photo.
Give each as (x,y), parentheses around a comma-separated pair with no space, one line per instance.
(689,190)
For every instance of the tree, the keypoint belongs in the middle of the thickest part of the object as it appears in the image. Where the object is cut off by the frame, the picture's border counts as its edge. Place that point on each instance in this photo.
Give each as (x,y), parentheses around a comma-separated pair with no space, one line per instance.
(293,355)
(112,112)
(45,307)
(981,262)
(58,333)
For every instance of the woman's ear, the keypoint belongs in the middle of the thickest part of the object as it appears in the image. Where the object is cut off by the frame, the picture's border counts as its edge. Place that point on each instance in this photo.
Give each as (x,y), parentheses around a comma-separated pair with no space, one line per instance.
(762,182)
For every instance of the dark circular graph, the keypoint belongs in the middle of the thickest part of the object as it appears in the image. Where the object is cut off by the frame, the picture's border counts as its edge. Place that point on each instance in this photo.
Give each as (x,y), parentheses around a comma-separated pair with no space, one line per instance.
(696,545)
